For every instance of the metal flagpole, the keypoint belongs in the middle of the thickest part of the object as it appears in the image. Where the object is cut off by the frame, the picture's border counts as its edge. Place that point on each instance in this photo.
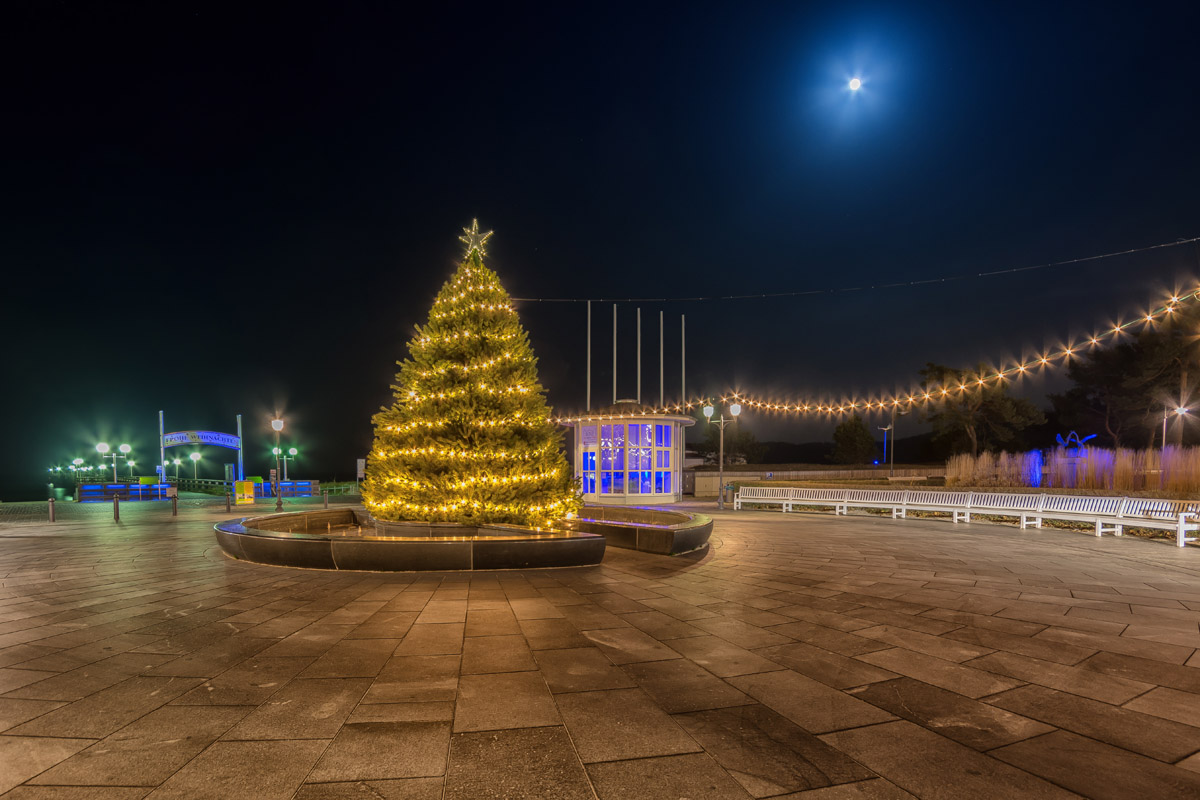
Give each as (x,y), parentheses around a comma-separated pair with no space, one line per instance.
(661,385)
(162,447)
(589,355)
(614,354)
(683,358)
(639,356)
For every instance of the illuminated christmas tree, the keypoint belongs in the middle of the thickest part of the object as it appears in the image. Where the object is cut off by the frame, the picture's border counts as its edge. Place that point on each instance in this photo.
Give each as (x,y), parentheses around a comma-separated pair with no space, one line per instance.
(469,437)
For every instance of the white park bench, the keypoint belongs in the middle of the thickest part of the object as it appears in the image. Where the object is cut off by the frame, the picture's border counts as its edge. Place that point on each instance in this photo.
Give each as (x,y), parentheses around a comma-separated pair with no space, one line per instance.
(1107,514)
(885,499)
(764,495)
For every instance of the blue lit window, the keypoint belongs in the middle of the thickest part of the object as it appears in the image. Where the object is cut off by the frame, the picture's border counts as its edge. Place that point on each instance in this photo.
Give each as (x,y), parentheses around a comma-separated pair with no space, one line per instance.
(662,435)
(589,471)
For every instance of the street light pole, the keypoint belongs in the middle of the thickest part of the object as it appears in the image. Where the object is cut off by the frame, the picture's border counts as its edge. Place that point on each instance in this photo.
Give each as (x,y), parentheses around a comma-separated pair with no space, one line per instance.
(734,410)
(892,459)
(1179,412)
(103,449)
(277,426)
(281,456)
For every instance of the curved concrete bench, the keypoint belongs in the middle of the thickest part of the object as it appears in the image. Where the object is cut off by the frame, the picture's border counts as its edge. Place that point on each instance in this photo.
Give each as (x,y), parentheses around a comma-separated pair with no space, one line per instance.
(651,530)
(349,539)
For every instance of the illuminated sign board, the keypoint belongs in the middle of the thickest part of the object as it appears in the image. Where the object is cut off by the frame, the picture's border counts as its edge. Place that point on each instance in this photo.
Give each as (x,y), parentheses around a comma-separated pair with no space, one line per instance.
(202,437)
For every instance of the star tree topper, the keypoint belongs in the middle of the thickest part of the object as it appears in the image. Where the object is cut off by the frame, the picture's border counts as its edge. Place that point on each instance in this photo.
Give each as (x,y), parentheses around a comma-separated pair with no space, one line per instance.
(474,240)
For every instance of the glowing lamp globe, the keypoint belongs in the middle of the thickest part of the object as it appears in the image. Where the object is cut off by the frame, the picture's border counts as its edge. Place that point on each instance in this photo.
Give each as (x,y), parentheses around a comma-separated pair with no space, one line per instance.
(708,411)
(194,456)
(855,84)
(102,447)
(292,451)
(124,448)
(735,409)
(277,424)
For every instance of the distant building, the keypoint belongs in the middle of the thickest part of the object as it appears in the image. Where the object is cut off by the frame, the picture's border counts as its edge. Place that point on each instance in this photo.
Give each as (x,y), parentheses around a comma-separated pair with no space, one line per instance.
(627,454)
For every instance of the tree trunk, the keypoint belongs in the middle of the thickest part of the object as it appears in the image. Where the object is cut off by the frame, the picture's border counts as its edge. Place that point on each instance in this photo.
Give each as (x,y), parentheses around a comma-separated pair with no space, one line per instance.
(1108,420)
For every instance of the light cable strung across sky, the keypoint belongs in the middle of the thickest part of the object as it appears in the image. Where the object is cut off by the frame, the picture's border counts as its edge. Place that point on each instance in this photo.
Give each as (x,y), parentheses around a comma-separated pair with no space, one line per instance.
(866,288)
(882,401)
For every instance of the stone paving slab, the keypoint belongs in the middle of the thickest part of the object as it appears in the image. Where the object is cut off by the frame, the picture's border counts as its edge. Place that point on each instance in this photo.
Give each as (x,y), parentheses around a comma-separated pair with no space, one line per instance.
(801,656)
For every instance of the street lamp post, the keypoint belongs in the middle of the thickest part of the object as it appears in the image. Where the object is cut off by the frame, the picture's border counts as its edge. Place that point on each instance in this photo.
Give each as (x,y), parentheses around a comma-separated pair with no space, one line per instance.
(887,429)
(195,457)
(734,410)
(103,449)
(890,455)
(1179,412)
(176,462)
(277,426)
(290,456)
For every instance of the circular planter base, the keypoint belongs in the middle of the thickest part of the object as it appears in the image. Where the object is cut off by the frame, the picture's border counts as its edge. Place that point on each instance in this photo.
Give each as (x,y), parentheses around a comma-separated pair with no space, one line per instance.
(349,539)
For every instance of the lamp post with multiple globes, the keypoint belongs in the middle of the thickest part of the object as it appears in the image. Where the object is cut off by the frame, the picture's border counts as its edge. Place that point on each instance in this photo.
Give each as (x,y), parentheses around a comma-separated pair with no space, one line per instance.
(734,410)
(103,449)
(289,456)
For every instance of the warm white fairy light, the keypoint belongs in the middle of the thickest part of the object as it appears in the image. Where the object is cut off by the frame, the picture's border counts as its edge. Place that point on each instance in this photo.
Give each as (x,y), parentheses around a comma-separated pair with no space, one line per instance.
(1042,361)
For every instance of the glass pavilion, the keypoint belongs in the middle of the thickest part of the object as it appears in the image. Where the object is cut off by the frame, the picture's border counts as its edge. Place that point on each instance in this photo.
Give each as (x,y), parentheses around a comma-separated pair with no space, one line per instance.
(629,455)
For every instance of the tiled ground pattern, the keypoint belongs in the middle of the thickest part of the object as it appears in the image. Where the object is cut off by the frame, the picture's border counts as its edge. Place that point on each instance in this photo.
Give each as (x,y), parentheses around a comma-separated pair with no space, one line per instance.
(156,509)
(802,657)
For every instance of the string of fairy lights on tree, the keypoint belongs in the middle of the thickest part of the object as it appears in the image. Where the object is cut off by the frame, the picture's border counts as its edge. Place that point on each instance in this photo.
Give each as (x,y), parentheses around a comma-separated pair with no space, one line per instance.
(883,401)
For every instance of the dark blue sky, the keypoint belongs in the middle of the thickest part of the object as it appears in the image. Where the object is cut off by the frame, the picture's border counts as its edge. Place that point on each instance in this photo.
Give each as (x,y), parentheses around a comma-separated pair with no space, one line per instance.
(218,209)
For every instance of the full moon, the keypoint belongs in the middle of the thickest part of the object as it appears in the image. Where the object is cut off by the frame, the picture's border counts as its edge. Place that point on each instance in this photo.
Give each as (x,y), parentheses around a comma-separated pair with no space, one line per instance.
(855,84)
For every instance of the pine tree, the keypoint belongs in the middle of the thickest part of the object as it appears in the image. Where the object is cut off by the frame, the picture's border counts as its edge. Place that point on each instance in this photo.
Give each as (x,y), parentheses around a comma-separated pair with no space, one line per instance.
(852,442)
(469,437)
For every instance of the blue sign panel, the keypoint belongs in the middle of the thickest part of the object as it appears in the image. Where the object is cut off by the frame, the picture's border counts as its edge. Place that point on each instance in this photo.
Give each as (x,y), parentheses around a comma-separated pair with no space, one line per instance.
(202,437)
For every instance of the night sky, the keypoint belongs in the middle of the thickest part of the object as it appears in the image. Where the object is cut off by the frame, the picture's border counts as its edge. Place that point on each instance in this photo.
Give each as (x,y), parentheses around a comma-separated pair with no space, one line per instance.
(218,209)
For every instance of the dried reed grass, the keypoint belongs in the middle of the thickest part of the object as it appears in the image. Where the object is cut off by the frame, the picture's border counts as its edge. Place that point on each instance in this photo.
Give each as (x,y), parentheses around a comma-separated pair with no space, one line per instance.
(1175,471)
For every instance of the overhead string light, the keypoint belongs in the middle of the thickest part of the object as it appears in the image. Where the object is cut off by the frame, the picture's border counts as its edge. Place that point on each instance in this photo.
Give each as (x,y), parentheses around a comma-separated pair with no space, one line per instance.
(883,402)
(1041,362)
(641,411)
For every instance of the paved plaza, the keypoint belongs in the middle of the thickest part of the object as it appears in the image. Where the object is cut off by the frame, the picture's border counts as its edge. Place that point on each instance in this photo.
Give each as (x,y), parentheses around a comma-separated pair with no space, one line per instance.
(803,656)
